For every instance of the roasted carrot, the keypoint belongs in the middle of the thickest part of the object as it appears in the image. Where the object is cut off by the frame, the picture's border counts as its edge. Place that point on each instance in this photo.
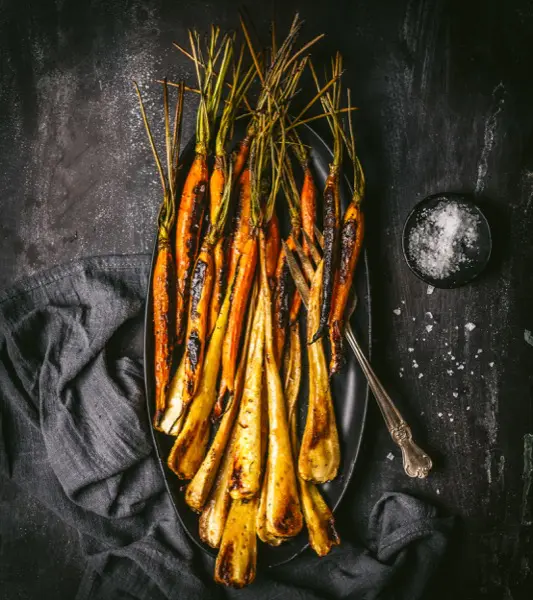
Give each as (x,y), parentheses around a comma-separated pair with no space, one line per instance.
(163,278)
(283,512)
(243,282)
(192,205)
(242,222)
(236,561)
(282,300)
(199,488)
(240,155)
(319,456)
(189,448)
(217,295)
(308,205)
(352,235)
(246,476)
(332,207)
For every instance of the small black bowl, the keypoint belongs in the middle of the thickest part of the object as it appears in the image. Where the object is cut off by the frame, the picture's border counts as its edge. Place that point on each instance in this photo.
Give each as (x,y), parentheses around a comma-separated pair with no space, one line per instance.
(477,257)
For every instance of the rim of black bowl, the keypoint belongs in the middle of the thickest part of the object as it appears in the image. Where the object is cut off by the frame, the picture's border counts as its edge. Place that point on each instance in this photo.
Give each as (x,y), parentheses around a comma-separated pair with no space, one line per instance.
(455,280)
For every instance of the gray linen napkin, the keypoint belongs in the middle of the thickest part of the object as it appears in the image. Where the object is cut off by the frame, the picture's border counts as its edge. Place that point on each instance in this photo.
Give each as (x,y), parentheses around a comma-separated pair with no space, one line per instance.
(75,434)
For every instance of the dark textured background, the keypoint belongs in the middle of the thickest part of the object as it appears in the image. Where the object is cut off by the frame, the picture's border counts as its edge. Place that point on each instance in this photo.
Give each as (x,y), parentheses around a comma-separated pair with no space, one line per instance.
(446,97)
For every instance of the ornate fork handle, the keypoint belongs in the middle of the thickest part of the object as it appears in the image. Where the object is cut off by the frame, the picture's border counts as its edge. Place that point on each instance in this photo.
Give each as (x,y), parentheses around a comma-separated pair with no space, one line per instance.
(416,462)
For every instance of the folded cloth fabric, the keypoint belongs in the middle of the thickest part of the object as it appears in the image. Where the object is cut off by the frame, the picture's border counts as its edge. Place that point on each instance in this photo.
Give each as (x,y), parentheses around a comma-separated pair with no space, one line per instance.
(75,434)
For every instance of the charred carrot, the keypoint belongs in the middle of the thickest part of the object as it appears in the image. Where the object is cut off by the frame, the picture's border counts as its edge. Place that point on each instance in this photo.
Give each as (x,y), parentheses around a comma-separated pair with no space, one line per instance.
(163,278)
(282,295)
(218,285)
(201,287)
(243,282)
(242,225)
(332,206)
(192,205)
(352,234)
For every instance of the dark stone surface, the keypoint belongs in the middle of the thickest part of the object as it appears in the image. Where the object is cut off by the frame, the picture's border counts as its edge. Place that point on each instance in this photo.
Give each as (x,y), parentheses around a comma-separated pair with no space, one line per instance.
(445,91)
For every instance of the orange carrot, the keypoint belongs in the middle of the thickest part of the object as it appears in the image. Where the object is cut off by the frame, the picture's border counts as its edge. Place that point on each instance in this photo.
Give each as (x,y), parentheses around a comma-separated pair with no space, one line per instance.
(308,206)
(242,224)
(243,283)
(162,340)
(217,295)
(352,234)
(188,228)
(241,156)
(196,338)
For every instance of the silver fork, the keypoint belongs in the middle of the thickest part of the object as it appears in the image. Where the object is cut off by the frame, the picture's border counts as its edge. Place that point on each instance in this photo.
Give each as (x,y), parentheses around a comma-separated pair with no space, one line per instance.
(416,462)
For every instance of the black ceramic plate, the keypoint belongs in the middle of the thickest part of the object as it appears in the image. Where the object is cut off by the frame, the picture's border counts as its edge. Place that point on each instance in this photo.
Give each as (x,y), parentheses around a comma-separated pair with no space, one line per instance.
(350,393)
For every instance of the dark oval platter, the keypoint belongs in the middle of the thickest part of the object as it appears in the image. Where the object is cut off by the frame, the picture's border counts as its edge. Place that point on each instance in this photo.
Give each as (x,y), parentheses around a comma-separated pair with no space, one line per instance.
(349,389)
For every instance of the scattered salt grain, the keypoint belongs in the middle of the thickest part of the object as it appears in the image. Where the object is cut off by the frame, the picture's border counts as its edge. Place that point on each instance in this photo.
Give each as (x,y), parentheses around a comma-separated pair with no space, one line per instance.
(460,367)
(443,239)
(410,349)
(455,394)
(528,337)
(479,351)
(451,420)
(414,318)
(439,415)
(420,376)
(438,492)
(429,315)
(415,364)
(397,311)
(469,327)
(390,456)
(403,301)
(430,290)
(449,371)
(429,328)
(491,364)
(468,408)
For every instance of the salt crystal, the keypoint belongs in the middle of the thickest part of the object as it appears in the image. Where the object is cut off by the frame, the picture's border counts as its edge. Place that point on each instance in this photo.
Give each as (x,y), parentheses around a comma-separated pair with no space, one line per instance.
(430,290)
(468,408)
(414,318)
(397,311)
(491,364)
(528,337)
(415,364)
(439,414)
(469,327)
(455,394)
(410,349)
(420,376)
(403,301)
(438,492)
(390,456)
(449,371)
(479,351)
(451,420)
(429,328)
(429,315)
(438,241)
(401,374)
(460,367)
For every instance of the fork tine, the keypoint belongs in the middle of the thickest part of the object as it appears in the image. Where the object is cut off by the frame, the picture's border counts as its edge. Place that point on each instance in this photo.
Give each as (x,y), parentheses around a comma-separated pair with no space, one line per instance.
(319,237)
(308,267)
(297,275)
(315,252)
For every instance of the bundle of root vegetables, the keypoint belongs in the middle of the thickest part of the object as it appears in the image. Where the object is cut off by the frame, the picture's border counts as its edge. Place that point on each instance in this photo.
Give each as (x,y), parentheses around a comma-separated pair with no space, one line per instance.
(228,322)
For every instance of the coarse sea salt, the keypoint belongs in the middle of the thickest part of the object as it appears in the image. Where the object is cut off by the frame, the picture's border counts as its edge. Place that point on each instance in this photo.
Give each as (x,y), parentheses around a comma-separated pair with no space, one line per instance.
(442,239)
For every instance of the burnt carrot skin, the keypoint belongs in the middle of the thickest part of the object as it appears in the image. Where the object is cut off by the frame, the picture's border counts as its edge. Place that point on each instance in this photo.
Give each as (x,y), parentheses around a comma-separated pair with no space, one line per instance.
(188,228)
(352,235)
(282,303)
(273,247)
(332,209)
(196,338)
(243,283)
(217,295)
(242,225)
(162,290)
(217,184)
